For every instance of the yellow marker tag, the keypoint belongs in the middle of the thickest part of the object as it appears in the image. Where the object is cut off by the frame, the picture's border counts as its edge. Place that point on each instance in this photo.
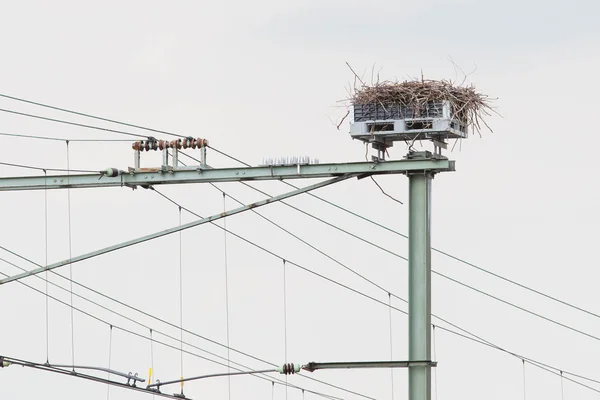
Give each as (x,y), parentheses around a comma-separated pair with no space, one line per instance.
(181,382)
(149,376)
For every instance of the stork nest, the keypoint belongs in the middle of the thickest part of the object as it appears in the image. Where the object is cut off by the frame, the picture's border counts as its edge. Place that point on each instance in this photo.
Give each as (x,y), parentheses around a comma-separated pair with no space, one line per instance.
(468,105)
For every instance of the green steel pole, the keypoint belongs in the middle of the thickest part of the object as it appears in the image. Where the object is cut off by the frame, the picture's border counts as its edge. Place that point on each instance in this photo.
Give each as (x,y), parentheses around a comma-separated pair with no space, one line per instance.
(419,280)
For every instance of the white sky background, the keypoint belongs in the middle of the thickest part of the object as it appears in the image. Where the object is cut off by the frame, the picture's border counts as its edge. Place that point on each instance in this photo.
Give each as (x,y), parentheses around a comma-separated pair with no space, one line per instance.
(262,79)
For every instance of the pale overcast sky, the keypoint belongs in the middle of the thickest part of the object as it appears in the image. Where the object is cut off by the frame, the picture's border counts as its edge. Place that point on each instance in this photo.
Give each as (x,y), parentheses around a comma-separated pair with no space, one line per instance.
(264,79)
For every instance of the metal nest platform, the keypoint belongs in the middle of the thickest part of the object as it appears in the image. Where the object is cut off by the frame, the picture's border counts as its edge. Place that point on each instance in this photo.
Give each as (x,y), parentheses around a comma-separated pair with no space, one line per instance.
(385,124)
(387,112)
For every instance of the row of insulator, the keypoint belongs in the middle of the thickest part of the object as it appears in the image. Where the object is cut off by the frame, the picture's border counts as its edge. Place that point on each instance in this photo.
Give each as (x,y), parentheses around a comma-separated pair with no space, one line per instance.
(188,143)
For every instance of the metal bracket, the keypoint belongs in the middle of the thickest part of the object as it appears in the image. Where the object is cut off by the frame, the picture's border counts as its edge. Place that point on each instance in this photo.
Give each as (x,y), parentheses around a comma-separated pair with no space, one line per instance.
(131,379)
(313,366)
(438,145)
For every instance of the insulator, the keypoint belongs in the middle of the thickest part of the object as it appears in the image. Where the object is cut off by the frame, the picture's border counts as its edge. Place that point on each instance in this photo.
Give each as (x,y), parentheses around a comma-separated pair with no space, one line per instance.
(136,145)
(110,172)
(288,369)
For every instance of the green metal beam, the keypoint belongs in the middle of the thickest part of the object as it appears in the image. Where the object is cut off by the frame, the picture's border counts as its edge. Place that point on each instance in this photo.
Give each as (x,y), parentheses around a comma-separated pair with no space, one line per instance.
(419,284)
(155,176)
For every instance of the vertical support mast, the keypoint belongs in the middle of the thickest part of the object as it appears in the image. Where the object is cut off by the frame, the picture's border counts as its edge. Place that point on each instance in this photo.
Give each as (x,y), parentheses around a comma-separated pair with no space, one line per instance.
(419,297)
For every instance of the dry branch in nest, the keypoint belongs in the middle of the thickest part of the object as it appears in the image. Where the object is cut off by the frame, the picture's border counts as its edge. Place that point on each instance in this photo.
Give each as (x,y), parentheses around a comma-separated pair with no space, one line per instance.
(467,104)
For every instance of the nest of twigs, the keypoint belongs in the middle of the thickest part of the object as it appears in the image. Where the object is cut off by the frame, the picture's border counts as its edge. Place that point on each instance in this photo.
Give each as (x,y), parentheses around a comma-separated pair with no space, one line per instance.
(468,105)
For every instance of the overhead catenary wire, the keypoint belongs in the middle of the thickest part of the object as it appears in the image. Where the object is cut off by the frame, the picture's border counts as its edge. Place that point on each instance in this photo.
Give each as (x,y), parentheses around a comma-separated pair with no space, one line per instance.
(357,215)
(167,323)
(306,243)
(281,258)
(404,258)
(571,305)
(50,368)
(494,346)
(279,381)
(113,311)
(390,294)
(538,364)
(175,229)
(321,252)
(37,137)
(88,115)
(46,169)
(237,160)
(538,315)
(549,368)
(469,335)
(531,361)
(474,337)
(71,123)
(553,298)
(339,262)
(180,211)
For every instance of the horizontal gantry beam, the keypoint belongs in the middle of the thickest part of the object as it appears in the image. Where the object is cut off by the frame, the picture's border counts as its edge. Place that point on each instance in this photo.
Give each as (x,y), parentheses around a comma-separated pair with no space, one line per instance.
(156,176)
